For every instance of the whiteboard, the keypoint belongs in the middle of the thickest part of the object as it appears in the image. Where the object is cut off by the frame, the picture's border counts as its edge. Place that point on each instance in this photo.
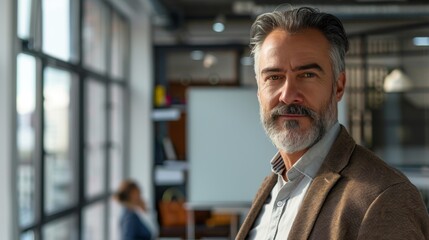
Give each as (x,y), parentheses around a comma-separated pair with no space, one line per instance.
(229,153)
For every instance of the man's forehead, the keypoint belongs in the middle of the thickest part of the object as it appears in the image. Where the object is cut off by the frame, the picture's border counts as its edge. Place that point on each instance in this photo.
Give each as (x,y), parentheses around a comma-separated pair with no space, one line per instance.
(295,51)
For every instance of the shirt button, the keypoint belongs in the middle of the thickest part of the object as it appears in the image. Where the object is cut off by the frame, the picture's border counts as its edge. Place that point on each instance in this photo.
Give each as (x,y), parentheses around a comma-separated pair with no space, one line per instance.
(280,204)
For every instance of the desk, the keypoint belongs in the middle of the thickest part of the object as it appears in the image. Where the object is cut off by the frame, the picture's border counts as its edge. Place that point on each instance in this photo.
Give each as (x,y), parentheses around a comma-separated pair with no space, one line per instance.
(236,209)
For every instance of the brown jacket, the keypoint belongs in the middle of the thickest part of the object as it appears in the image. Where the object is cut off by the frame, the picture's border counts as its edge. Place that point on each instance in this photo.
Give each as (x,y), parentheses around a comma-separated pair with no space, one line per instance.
(355,195)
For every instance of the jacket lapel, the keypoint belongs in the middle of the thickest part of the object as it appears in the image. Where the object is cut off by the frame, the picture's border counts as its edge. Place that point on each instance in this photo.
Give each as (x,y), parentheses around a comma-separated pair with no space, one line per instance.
(328,175)
(312,204)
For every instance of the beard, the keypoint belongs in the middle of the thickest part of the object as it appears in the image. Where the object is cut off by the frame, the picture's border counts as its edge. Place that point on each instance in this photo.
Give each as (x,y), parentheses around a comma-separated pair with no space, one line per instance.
(290,137)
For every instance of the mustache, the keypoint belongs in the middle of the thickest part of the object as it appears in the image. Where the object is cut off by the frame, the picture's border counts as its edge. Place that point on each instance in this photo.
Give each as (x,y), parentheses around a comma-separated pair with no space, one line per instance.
(292,109)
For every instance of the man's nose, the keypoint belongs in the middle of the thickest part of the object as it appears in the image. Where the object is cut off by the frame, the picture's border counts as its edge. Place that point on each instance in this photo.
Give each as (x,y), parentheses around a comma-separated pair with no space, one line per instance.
(290,92)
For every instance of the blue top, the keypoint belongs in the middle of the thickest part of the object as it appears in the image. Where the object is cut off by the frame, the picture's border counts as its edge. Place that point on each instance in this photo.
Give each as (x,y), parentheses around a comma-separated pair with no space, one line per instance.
(132,228)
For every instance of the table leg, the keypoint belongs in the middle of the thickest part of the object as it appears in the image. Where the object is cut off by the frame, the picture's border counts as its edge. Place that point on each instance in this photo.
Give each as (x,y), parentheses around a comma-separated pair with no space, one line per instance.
(190,233)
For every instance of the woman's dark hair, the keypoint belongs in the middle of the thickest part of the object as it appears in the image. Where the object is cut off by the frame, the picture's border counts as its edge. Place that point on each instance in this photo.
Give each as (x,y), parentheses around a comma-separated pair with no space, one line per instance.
(124,190)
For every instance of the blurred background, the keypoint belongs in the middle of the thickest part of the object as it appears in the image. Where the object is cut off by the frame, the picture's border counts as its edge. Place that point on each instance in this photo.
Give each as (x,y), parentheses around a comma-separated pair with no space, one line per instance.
(97,91)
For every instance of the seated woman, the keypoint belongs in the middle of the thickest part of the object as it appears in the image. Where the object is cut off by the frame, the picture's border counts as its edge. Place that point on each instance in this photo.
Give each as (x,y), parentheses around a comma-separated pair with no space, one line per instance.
(134,221)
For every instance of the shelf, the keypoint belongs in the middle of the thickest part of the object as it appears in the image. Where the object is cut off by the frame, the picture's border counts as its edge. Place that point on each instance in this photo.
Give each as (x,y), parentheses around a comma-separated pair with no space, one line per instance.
(171,172)
(169,176)
(176,164)
(166,114)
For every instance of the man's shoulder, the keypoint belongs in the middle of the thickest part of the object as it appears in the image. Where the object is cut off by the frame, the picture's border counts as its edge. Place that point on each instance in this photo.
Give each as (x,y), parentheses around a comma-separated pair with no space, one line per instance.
(367,168)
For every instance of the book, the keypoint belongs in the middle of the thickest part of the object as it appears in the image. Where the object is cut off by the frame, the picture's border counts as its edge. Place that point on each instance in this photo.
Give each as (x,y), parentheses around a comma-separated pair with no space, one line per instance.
(169,150)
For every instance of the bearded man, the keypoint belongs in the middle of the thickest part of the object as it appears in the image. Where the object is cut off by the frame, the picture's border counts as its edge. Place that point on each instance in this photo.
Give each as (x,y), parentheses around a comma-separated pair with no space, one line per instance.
(323,185)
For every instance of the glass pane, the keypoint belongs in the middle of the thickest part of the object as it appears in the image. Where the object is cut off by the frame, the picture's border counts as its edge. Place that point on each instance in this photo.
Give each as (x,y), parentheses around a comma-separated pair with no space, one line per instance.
(119,43)
(63,229)
(58,139)
(24,18)
(95,138)
(114,218)
(26,194)
(93,228)
(26,117)
(94,35)
(27,236)
(26,106)
(59,24)
(117,137)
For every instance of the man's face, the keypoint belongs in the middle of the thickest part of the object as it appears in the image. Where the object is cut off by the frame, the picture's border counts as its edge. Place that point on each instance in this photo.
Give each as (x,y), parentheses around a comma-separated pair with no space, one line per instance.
(298,101)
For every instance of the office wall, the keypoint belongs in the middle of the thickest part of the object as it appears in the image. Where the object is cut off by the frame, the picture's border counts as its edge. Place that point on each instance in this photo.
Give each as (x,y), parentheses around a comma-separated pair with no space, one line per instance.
(8,226)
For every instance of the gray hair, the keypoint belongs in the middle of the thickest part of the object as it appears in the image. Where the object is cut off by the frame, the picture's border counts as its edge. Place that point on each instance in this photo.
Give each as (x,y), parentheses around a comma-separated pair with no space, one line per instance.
(299,19)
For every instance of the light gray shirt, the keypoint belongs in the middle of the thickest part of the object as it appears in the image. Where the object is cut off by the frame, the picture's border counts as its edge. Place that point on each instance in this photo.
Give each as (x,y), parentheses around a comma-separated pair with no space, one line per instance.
(278,213)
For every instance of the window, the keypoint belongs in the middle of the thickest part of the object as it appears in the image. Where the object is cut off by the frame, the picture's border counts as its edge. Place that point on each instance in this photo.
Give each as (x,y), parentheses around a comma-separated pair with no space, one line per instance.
(94,222)
(58,20)
(115,212)
(95,138)
(117,136)
(58,144)
(65,228)
(118,47)
(27,236)
(94,35)
(70,118)
(26,137)
(24,18)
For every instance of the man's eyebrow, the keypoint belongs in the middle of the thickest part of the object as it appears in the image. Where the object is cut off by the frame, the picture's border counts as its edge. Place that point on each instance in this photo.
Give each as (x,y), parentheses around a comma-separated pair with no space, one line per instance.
(272,70)
(309,66)
(298,68)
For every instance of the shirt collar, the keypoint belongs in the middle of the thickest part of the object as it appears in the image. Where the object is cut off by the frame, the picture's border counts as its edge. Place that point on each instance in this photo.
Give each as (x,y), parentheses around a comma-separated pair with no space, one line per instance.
(311,161)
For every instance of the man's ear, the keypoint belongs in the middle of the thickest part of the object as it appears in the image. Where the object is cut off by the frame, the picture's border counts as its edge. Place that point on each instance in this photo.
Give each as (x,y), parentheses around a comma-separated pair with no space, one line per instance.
(341,86)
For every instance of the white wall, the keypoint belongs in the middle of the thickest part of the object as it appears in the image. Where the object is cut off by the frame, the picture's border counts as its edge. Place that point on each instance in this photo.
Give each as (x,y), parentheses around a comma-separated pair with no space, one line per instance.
(141,86)
(8,226)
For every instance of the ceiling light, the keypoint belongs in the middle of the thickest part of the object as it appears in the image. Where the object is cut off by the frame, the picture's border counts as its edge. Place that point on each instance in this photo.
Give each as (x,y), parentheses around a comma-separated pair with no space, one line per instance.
(397,81)
(421,41)
(218,27)
(209,60)
(219,23)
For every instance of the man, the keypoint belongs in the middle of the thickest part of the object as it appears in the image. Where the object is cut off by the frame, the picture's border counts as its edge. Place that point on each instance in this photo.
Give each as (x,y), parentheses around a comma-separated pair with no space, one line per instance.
(323,185)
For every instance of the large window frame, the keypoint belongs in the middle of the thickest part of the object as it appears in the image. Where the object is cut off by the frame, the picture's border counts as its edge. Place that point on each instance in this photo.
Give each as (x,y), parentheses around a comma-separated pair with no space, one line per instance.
(31,44)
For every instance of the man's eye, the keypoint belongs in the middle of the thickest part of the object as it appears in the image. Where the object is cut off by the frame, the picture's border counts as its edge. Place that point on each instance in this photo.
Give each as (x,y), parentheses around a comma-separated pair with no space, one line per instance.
(308,75)
(274,77)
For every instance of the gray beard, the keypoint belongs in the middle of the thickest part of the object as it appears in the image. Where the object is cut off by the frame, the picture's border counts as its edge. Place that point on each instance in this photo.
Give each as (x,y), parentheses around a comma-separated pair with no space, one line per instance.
(290,137)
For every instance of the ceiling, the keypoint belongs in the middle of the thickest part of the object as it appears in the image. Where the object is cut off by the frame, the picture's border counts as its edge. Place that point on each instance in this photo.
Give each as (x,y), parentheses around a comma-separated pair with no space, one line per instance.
(190,20)
(188,10)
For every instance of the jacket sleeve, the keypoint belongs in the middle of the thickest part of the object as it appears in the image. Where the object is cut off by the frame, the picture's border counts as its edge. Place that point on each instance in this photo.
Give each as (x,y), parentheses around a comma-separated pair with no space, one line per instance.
(397,213)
